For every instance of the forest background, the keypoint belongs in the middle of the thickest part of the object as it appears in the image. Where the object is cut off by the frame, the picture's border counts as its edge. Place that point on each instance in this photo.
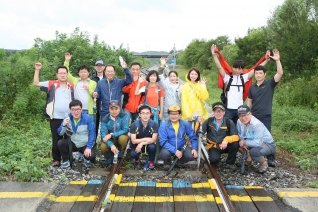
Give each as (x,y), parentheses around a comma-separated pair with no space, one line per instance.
(25,139)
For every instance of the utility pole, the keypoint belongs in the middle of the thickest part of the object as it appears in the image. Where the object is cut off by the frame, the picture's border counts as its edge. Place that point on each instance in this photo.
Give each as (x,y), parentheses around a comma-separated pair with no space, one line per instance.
(174,55)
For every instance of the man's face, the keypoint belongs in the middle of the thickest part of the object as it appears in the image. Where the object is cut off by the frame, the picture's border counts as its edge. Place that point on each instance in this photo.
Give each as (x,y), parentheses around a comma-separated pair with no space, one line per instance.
(114,111)
(76,111)
(237,71)
(61,74)
(218,113)
(174,116)
(99,68)
(110,72)
(83,74)
(259,75)
(135,70)
(145,115)
(245,118)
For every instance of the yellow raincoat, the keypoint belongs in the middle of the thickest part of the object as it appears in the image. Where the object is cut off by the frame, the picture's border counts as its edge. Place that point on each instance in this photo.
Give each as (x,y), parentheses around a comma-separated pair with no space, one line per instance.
(193,98)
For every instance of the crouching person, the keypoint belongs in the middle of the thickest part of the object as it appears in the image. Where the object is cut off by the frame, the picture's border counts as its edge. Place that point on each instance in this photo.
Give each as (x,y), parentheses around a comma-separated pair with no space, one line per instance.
(222,136)
(143,136)
(172,135)
(255,137)
(114,130)
(83,134)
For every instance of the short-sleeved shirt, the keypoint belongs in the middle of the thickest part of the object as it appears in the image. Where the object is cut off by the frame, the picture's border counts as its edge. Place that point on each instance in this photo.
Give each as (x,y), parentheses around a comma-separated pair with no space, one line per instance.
(152,95)
(144,132)
(235,94)
(61,101)
(262,97)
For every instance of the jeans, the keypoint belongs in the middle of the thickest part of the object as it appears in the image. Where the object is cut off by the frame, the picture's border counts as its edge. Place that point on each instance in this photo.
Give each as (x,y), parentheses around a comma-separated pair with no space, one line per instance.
(132,116)
(151,150)
(231,114)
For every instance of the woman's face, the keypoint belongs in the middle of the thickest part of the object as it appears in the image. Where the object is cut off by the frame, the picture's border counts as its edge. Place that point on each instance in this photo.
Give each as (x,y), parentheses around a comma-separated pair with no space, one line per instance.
(153,78)
(173,78)
(193,76)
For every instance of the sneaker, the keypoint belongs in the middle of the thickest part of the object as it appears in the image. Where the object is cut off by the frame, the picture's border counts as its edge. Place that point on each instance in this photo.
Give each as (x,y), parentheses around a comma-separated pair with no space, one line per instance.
(231,166)
(56,163)
(138,160)
(108,161)
(151,165)
(87,163)
(271,163)
(146,166)
(80,157)
(65,164)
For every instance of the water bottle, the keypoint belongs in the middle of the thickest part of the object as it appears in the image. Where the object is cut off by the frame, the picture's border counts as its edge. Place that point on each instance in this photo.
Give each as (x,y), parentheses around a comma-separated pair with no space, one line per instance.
(115,158)
(94,105)
(68,126)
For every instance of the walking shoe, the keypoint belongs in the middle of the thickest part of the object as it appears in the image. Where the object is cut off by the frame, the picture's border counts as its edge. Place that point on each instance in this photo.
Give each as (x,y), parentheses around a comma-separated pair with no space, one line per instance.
(56,163)
(138,160)
(180,165)
(65,164)
(108,161)
(231,166)
(166,167)
(120,155)
(146,166)
(80,157)
(151,165)
(87,163)
(271,163)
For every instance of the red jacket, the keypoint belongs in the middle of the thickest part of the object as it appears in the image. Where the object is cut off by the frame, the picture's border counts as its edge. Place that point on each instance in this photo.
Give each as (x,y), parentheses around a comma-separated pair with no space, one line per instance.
(134,100)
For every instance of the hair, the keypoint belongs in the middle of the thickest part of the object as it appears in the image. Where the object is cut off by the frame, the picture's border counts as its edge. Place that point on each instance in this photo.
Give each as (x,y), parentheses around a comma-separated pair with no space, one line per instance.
(151,73)
(81,67)
(218,103)
(142,107)
(260,68)
(64,67)
(238,64)
(135,63)
(197,71)
(173,72)
(110,65)
(75,102)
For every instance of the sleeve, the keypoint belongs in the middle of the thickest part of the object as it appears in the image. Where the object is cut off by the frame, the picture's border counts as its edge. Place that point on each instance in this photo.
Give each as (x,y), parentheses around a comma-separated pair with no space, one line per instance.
(162,82)
(226,78)
(155,127)
(163,139)
(192,136)
(97,89)
(91,134)
(256,140)
(70,77)
(44,84)
(128,78)
(91,87)
(184,102)
(233,134)
(126,88)
(133,128)
(61,130)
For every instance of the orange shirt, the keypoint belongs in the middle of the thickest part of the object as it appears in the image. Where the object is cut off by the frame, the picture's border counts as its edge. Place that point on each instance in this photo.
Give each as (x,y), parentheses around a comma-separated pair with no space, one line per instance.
(134,100)
(152,95)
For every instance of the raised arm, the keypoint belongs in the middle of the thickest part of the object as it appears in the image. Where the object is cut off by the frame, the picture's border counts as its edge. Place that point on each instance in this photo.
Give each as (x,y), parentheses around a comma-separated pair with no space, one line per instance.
(216,60)
(140,80)
(70,77)
(279,73)
(36,80)
(267,58)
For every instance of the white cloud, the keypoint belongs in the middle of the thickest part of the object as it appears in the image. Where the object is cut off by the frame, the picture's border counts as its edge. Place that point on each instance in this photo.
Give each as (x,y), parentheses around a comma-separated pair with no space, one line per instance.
(141,24)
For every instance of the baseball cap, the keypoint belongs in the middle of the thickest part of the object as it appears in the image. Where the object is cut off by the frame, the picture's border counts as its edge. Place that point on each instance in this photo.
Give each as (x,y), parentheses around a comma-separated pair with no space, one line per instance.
(218,105)
(243,109)
(114,103)
(174,108)
(99,62)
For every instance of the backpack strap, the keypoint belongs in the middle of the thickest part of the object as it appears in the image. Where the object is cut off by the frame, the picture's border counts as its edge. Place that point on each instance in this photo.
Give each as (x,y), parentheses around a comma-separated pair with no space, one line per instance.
(228,124)
(146,92)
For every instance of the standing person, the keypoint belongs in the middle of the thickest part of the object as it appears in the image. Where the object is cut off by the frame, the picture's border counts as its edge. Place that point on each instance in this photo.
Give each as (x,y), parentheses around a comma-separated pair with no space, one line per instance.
(134,101)
(83,134)
(110,88)
(235,83)
(98,75)
(84,86)
(260,96)
(255,137)
(172,138)
(143,136)
(172,87)
(113,132)
(222,136)
(193,96)
(60,94)
(153,94)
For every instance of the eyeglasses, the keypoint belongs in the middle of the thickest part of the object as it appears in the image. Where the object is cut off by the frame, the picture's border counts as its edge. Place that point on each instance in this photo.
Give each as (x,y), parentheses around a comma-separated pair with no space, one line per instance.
(76,109)
(147,114)
(218,111)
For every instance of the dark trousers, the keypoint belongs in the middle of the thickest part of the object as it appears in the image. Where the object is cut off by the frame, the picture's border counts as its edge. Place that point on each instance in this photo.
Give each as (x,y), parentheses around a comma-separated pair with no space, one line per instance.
(97,123)
(231,114)
(267,121)
(215,154)
(151,150)
(54,125)
(64,149)
(187,156)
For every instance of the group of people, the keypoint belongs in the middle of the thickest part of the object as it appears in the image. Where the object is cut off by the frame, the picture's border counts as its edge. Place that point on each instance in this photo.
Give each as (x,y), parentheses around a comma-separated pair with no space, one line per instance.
(157,108)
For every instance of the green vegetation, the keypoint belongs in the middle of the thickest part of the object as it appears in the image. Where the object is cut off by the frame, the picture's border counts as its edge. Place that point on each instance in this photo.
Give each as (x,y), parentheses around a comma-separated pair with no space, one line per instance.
(25,145)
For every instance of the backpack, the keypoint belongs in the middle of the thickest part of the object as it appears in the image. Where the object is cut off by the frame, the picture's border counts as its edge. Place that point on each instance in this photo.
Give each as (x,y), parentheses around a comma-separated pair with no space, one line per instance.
(223,96)
(146,92)
(137,123)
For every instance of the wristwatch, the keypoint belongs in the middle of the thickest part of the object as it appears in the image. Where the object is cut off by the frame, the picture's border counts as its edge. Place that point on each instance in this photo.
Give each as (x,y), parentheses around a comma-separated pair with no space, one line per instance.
(112,134)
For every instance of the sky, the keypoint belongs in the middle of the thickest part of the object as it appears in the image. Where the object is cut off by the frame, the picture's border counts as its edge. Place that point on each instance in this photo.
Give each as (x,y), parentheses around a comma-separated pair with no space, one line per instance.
(138,25)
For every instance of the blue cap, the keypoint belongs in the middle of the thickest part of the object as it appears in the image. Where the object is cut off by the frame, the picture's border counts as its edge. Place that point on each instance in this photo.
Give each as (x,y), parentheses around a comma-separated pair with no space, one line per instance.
(243,109)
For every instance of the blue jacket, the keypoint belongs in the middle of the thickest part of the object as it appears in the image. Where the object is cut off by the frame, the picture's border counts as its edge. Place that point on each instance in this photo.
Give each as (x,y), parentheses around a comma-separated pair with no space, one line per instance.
(111,90)
(168,139)
(83,132)
(107,126)
(255,135)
